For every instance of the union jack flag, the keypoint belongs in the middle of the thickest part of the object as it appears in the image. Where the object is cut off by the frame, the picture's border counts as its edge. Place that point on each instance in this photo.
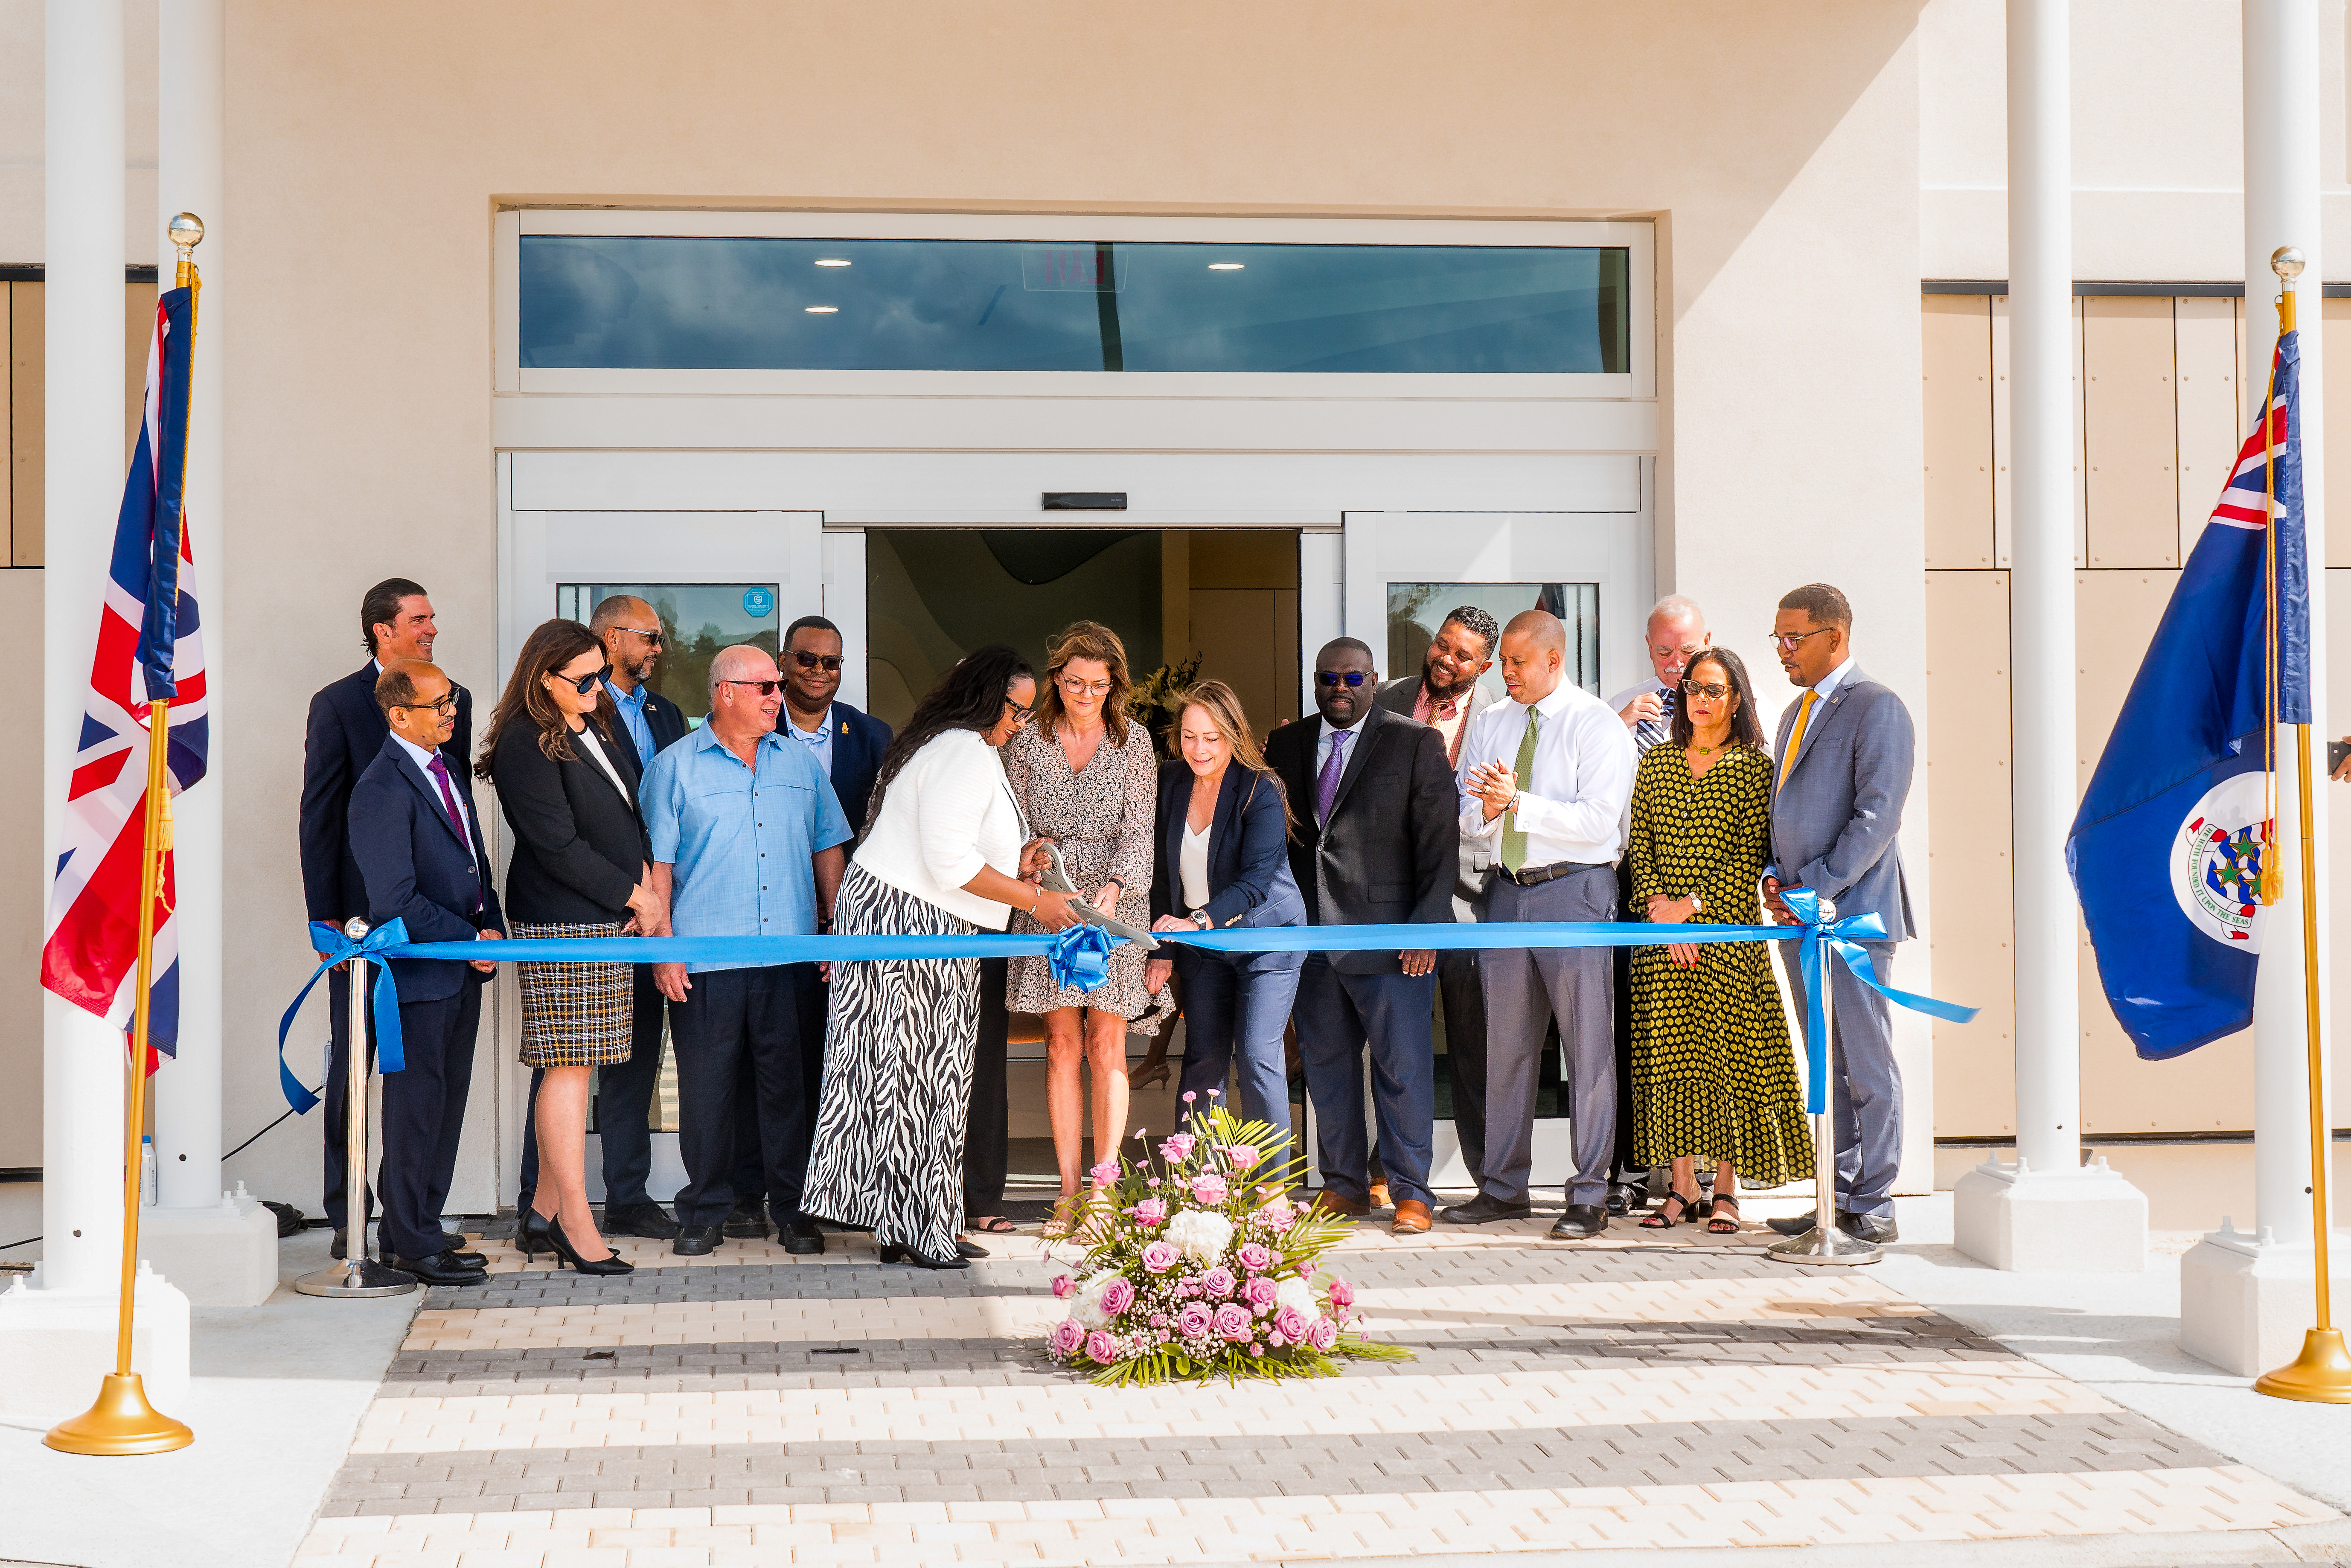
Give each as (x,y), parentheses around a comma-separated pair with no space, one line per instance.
(150,646)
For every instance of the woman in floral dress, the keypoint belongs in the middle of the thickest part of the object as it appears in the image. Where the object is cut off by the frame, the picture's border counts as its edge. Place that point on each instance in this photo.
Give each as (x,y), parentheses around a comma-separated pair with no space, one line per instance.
(1087,777)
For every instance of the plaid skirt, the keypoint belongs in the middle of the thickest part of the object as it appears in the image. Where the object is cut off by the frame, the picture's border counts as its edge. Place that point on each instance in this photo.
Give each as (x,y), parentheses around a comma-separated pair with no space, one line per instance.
(574,1015)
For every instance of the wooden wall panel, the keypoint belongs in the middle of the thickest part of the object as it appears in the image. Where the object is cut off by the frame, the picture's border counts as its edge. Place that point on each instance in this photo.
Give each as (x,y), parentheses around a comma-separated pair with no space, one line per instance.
(1957,401)
(1968,837)
(26,419)
(2130,433)
(2002,491)
(2205,350)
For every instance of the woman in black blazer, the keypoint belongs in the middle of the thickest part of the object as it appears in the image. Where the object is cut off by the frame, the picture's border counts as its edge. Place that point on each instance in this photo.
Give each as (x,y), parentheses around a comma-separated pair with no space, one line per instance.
(567,780)
(1222,859)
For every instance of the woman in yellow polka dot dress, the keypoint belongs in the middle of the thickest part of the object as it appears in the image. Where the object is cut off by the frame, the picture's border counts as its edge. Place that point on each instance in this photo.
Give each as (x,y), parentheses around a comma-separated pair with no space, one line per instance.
(1713,1075)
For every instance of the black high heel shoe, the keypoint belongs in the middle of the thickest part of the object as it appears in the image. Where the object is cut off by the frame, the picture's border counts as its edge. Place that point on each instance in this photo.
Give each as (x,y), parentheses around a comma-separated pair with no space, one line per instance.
(895,1253)
(611,1264)
(531,1235)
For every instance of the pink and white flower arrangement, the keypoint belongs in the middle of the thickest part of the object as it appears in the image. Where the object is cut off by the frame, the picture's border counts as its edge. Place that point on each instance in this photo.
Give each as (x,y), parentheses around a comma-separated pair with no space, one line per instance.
(1202,1268)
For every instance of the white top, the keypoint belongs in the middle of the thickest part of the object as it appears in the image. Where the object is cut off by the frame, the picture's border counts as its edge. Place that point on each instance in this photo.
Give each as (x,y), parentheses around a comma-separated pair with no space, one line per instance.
(1192,863)
(1575,805)
(946,816)
(596,749)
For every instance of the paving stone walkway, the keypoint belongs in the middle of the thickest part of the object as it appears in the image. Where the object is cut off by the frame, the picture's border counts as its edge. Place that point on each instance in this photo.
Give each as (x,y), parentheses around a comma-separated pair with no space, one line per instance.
(752,1407)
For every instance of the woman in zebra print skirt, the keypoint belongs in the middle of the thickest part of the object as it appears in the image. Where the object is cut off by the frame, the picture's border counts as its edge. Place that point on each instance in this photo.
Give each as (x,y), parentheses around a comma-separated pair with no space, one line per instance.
(943,855)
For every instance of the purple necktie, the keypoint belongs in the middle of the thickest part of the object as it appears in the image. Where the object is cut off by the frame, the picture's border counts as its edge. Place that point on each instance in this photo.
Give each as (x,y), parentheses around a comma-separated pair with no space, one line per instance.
(440,771)
(1326,787)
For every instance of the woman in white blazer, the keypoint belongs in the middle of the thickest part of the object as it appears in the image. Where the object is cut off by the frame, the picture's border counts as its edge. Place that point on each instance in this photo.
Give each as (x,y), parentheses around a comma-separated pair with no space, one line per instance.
(945,855)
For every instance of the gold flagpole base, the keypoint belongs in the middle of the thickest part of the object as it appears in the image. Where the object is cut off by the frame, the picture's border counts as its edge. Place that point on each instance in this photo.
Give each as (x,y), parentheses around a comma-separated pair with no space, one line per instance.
(2321,1374)
(123,1422)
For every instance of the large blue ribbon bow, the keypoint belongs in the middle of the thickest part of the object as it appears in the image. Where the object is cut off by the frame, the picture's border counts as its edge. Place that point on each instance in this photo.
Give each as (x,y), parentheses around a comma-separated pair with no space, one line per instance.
(340,948)
(1843,936)
(1080,956)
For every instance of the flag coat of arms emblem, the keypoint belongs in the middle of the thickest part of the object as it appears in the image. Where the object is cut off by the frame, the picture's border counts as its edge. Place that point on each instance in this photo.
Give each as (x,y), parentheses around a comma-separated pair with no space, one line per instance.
(150,647)
(2167,850)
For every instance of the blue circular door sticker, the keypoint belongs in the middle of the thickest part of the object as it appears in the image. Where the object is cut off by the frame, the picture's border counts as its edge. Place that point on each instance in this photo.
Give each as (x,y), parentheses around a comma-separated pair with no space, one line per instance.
(758,603)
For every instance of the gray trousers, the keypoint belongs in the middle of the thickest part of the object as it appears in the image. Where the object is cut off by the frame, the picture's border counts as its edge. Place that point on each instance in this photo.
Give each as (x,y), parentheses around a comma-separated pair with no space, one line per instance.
(1866,1110)
(1525,988)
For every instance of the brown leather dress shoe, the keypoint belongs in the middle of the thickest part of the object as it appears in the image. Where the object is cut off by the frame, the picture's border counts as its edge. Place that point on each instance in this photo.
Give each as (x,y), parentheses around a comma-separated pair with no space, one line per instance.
(1379,1194)
(1329,1202)
(1411,1218)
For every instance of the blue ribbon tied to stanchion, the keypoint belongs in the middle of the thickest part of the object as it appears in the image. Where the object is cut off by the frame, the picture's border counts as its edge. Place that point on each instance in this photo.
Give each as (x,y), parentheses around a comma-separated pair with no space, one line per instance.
(377,946)
(1080,956)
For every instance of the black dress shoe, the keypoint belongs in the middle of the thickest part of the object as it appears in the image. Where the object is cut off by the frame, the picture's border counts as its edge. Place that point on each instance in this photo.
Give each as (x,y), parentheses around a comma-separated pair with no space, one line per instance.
(695,1241)
(1797,1226)
(650,1220)
(748,1220)
(1484,1209)
(1877,1230)
(799,1234)
(893,1252)
(1579,1223)
(470,1260)
(440,1268)
(969,1249)
(450,1242)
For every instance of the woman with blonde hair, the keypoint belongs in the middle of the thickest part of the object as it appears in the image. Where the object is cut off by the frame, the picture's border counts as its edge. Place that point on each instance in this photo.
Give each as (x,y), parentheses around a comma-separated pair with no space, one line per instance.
(1085,776)
(1223,859)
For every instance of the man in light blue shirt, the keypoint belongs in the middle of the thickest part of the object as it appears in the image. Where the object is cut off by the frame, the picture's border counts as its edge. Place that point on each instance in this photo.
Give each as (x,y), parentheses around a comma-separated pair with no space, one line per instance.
(747,841)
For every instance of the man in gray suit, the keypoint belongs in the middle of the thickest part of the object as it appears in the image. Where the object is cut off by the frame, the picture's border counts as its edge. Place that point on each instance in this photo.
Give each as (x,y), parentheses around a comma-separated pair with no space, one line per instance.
(1846,751)
(1446,697)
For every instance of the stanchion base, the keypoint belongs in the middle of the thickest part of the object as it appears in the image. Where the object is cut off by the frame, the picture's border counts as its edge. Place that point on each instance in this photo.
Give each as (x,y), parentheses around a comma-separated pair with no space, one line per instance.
(2321,1374)
(122,1422)
(357,1277)
(1831,1249)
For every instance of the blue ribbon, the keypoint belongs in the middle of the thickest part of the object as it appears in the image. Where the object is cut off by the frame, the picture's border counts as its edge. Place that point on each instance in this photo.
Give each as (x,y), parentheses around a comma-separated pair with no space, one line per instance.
(379,946)
(1080,956)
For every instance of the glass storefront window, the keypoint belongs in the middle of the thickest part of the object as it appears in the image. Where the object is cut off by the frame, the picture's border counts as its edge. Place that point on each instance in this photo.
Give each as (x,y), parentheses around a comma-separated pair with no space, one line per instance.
(697,619)
(1416,610)
(642,302)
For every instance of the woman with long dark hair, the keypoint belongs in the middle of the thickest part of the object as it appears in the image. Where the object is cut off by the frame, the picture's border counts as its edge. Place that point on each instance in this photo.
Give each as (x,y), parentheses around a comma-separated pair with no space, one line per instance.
(567,780)
(945,853)
(1714,1077)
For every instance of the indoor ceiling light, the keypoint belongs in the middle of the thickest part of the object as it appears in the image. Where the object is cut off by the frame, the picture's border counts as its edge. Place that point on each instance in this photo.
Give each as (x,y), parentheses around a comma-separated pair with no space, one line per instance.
(1224,266)
(831,261)
(822,309)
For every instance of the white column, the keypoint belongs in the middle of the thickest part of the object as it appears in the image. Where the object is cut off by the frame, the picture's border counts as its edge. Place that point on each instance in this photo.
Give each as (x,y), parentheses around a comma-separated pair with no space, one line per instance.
(56,1338)
(2044,1212)
(2246,1296)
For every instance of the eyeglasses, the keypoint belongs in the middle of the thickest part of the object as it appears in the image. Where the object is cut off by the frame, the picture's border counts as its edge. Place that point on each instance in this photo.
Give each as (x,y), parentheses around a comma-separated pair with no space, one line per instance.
(765,688)
(828,662)
(1789,640)
(654,636)
(1335,678)
(447,704)
(1020,715)
(585,684)
(1711,692)
(1078,688)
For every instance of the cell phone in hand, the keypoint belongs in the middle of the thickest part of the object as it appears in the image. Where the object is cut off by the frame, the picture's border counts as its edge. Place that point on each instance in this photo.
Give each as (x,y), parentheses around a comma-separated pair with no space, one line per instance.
(2336,750)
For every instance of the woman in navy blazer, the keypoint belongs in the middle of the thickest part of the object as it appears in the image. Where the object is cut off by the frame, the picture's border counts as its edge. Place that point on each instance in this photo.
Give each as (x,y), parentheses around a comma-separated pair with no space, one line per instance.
(1222,858)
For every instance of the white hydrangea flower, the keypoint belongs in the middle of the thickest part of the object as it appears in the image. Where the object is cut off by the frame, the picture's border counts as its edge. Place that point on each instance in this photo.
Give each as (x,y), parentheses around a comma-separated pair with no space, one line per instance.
(1085,1307)
(1295,1291)
(1200,1234)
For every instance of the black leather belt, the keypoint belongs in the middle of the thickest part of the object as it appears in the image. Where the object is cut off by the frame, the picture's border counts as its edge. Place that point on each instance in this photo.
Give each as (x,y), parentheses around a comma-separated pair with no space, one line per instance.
(1536,876)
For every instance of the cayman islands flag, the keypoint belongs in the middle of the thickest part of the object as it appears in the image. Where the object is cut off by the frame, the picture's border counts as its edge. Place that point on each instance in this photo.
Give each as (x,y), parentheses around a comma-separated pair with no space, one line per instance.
(149,647)
(2165,851)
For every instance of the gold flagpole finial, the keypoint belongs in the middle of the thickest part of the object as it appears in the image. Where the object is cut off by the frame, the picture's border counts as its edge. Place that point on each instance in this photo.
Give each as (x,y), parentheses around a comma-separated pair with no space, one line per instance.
(187,232)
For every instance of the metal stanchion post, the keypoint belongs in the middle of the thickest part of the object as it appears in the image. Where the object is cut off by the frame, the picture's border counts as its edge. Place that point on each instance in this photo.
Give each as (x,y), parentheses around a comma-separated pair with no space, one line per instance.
(1825,1244)
(357,1274)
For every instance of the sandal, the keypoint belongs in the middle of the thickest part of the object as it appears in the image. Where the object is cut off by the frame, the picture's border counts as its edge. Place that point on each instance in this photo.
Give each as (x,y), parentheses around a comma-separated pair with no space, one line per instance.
(994,1225)
(1069,1212)
(1665,1218)
(1718,1223)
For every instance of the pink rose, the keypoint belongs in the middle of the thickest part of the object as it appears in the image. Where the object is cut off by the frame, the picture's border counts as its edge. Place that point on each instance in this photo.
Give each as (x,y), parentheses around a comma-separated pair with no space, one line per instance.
(1117,1296)
(1159,1321)
(1064,1286)
(1260,1293)
(1278,1214)
(1158,1257)
(1255,1257)
(1151,1211)
(1218,1281)
(1104,1173)
(1067,1336)
(1194,1322)
(1234,1322)
(1101,1347)
(1292,1325)
(1177,1148)
(1241,1156)
(1209,1188)
(1343,1294)
(1324,1334)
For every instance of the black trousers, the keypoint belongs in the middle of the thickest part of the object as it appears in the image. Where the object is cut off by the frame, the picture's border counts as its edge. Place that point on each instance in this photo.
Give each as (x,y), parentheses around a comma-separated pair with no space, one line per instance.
(624,1103)
(1463,998)
(749,1179)
(424,1118)
(336,1095)
(731,1015)
(986,1143)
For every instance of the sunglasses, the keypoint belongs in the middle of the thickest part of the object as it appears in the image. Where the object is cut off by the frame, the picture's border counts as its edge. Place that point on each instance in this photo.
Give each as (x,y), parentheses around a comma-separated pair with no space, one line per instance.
(765,688)
(1334,678)
(653,637)
(585,684)
(1711,692)
(828,662)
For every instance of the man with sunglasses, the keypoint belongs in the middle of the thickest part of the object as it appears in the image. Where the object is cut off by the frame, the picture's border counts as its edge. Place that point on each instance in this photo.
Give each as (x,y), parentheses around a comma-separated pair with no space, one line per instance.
(1376,844)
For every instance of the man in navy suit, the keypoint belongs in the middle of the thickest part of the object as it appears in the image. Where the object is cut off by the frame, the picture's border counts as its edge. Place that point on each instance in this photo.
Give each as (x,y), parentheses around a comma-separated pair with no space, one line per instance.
(847,746)
(632,633)
(419,848)
(345,734)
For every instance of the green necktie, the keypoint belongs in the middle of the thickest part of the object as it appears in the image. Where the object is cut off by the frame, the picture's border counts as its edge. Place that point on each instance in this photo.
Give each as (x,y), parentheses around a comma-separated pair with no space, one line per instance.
(1514,837)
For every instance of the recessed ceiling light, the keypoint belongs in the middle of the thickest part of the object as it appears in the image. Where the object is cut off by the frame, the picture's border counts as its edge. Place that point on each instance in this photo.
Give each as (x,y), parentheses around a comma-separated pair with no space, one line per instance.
(831,261)
(1224,266)
(822,309)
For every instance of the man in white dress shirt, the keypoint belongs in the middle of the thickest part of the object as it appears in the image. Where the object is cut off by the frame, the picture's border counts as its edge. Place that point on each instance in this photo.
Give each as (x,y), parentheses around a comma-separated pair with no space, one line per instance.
(1547,777)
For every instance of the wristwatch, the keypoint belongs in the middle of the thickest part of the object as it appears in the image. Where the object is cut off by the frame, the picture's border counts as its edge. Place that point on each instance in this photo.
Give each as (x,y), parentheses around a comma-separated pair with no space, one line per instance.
(1200,918)
(1698,904)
